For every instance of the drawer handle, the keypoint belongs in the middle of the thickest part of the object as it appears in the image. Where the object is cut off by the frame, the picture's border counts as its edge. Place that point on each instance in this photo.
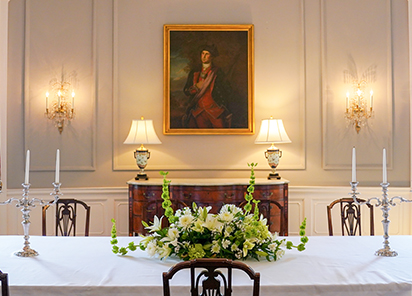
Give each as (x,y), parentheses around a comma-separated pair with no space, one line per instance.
(149,195)
(229,196)
(187,196)
(267,194)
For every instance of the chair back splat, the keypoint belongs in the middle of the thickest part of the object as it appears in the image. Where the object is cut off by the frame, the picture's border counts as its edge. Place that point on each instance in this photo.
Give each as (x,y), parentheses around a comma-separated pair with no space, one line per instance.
(4,284)
(66,217)
(350,216)
(207,279)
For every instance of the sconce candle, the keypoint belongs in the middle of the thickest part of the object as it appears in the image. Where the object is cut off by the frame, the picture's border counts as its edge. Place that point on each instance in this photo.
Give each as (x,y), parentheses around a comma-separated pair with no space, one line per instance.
(371,103)
(353,165)
(47,100)
(384,173)
(57,179)
(59,95)
(26,175)
(347,101)
(73,99)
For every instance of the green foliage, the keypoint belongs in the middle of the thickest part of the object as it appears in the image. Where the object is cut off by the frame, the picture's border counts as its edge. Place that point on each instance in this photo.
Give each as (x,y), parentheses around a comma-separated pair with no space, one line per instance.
(167,204)
(249,193)
(120,250)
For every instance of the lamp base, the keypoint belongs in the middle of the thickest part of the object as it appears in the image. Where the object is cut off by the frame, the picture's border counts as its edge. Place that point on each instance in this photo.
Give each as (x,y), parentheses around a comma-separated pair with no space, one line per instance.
(274,176)
(141,177)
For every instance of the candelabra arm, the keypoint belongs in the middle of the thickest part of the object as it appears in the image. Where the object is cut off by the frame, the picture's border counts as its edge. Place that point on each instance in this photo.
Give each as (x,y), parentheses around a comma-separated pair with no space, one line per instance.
(401,199)
(355,194)
(9,201)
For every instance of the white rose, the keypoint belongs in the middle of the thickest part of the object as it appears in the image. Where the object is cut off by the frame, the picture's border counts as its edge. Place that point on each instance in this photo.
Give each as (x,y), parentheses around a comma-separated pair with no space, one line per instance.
(185,220)
(151,248)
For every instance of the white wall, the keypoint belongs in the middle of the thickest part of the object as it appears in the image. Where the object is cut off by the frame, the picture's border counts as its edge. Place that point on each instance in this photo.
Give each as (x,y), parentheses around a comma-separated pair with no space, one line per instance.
(3,100)
(116,48)
(302,49)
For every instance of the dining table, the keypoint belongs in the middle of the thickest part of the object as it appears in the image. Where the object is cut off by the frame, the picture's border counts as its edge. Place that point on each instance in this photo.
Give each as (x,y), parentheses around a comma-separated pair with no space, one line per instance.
(330,265)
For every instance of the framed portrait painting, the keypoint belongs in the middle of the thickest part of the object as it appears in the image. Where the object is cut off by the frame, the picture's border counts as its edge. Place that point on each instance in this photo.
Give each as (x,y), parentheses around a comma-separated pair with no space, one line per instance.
(208,79)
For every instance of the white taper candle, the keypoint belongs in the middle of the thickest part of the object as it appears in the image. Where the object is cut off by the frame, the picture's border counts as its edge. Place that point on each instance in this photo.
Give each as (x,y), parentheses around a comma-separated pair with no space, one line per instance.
(57,166)
(384,173)
(26,175)
(353,164)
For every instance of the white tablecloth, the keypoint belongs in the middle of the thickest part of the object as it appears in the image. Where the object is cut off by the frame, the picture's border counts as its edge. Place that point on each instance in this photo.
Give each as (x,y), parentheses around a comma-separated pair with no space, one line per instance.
(86,266)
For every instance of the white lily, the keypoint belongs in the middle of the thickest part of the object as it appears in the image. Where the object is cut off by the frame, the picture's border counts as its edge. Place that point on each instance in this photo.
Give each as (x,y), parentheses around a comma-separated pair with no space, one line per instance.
(157,224)
(172,235)
(212,223)
(164,252)
(263,220)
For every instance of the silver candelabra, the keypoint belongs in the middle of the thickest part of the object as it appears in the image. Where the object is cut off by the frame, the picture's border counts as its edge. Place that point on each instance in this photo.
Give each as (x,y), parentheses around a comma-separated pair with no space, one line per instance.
(384,202)
(25,203)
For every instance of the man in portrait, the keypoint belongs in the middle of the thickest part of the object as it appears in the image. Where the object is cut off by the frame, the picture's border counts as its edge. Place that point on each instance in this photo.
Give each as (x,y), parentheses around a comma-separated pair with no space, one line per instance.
(208,92)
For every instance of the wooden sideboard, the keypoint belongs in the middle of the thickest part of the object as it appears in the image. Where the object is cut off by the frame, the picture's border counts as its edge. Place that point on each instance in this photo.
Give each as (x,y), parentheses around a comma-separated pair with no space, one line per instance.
(145,198)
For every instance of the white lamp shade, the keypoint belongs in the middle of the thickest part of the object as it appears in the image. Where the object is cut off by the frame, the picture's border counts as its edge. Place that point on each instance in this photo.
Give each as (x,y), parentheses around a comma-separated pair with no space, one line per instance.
(142,132)
(272,131)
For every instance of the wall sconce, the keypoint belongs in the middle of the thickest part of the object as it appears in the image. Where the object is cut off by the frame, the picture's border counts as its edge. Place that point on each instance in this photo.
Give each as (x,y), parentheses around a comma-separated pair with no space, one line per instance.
(357,110)
(61,108)
(142,132)
(272,132)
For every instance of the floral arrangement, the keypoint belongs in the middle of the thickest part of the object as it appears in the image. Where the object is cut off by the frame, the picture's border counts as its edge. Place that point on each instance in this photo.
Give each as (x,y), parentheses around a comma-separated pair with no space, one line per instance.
(233,233)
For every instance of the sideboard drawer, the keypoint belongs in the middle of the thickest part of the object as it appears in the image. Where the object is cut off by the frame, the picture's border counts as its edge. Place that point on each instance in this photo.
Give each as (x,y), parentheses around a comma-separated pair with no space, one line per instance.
(145,201)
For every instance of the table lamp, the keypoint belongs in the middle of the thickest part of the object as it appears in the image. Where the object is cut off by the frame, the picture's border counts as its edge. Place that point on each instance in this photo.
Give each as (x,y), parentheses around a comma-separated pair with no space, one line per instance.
(272,132)
(142,132)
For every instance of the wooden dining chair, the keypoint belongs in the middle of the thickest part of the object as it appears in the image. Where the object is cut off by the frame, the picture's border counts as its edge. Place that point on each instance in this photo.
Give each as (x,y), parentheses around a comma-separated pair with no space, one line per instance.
(350,216)
(4,284)
(275,214)
(206,277)
(66,216)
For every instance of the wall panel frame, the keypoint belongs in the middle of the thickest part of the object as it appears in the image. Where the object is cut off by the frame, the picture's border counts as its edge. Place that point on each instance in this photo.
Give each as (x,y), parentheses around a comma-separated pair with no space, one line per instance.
(361,49)
(50,53)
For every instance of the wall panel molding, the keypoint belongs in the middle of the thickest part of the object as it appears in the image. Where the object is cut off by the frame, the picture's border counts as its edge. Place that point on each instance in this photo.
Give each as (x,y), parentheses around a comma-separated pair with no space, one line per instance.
(362,48)
(3,102)
(304,202)
(70,49)
(131,97)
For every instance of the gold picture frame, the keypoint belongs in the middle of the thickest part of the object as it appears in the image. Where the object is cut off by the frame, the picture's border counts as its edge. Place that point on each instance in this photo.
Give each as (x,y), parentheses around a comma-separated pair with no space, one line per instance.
(208,79)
